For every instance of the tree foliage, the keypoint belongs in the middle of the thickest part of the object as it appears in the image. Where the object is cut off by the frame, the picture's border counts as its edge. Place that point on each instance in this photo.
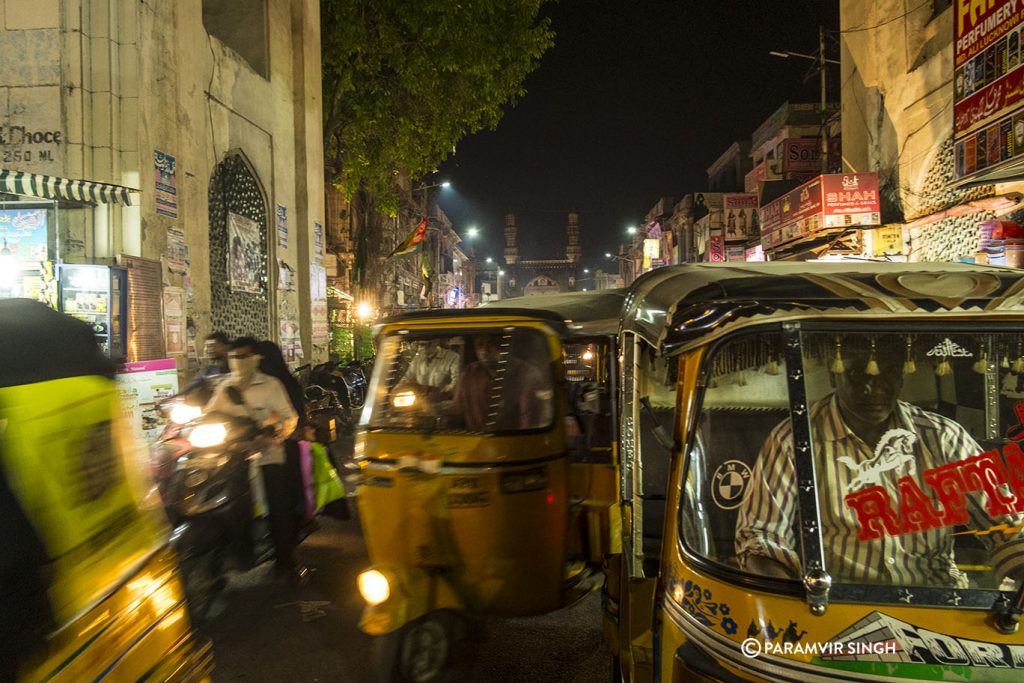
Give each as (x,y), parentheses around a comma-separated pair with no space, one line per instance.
(404,81)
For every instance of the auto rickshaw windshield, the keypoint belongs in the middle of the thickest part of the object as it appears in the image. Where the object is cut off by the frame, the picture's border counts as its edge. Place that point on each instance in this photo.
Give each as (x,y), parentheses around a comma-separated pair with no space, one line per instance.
(918,474)
(484,381)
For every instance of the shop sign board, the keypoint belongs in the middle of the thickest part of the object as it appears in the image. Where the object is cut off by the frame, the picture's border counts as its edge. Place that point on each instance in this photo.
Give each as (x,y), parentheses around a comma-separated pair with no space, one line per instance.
(141,386)
(716,248)
(801,155)
(735,252)
(988,84)
(755,253)
(757,175)
(24,233)
(835,200)
(740,216)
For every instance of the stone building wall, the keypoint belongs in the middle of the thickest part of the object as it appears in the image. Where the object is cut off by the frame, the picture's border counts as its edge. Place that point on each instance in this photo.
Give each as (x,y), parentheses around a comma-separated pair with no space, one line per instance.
(121,81)
(897,119)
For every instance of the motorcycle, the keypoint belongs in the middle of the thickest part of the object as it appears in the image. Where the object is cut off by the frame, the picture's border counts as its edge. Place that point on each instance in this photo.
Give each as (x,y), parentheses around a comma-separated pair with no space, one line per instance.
(349,385)
(201,467)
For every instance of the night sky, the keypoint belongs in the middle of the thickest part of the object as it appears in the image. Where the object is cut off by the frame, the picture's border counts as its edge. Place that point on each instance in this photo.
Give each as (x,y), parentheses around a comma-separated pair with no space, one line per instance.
(633,102)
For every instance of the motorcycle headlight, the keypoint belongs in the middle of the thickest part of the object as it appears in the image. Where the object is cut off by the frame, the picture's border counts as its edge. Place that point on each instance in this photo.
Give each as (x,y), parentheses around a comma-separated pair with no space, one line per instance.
(183,412)
(207,435)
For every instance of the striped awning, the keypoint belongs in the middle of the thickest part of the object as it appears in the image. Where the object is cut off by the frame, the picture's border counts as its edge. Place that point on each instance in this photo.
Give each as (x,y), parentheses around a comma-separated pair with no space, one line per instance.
(52,187)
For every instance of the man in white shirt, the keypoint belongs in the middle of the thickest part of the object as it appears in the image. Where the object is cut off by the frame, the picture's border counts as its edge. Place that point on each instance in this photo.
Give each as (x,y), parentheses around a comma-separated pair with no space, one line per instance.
(433,368)
(247,392)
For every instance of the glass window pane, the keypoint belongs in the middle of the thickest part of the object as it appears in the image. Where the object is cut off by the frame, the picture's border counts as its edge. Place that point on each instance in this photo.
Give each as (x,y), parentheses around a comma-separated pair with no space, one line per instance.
(744,407)
(480,382)
(919,477)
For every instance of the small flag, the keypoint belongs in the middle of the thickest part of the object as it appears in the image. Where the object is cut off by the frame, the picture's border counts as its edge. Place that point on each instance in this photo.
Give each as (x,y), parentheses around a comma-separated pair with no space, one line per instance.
(426,275)
(414,238)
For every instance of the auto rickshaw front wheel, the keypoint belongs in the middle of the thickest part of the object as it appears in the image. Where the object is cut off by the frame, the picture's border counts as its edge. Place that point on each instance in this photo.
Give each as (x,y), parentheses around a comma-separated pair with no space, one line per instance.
(419,652)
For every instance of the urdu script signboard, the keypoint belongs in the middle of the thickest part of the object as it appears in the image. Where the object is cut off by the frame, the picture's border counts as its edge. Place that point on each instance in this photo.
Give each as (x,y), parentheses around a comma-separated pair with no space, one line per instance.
(988,85)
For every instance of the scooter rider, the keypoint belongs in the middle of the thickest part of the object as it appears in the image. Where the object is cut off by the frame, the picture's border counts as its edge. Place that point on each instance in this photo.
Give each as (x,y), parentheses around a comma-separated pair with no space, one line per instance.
(247,392)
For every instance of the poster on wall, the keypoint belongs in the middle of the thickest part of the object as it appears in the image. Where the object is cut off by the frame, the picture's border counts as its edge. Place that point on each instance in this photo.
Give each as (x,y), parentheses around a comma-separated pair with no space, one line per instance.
(24,233)
(177,251)
(988,86)
(174,319)
(165,172)
(245,258)
(318,243)
(291,346)
(141,387)
(318,304)
(282,227)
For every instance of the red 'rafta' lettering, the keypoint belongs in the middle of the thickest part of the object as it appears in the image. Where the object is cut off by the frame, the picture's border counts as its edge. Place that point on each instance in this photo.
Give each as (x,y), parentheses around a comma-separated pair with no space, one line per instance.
(916,508)
(874,513)
(1015,471)
(948,482)
(986,471)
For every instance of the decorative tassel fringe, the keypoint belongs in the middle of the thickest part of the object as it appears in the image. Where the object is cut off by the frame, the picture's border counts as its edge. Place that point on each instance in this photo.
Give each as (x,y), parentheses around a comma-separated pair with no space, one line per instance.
(1017,366)
(943,368)
(909,366)
(981,365)
(838,367)
(772,368)
(1005,364)
(872,367)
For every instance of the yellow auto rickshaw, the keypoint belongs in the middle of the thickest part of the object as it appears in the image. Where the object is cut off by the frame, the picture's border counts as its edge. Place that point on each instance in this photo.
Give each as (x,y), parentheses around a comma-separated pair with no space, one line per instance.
(841,498)
(89,588)
(489,469)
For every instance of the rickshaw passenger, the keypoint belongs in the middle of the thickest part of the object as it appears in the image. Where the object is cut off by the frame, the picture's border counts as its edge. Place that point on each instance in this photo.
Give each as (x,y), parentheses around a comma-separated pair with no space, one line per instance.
(521,401)
(847,427)
(433,367)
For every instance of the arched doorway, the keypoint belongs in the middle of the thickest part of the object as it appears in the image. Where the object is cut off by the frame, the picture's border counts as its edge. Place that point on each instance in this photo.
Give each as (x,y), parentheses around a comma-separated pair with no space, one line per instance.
(238,276)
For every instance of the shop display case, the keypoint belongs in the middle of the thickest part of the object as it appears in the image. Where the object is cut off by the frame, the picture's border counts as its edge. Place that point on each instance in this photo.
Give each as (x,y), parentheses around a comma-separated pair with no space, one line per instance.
(97,295)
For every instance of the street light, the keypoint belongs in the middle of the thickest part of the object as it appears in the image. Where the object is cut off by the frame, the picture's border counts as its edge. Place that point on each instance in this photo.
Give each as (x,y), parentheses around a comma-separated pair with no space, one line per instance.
(444,184)
(472,231)
(489,260)
(364,311)
(631,230)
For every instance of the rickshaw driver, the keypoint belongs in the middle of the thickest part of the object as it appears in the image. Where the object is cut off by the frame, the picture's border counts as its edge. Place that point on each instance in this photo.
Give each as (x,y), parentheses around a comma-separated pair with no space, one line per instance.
(525,398)
(433,368)
(847,428)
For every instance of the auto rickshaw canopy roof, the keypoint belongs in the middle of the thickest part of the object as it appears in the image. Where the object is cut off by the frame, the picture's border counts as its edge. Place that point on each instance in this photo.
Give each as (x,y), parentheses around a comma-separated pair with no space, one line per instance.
(678,307)
(570,313)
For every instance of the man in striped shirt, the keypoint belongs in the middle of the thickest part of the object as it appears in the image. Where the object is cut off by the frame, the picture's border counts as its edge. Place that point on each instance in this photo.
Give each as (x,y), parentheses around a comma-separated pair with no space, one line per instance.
(862,435)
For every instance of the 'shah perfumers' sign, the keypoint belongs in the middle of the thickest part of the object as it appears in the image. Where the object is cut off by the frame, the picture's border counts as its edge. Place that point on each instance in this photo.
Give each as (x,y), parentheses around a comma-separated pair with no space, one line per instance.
(28,146)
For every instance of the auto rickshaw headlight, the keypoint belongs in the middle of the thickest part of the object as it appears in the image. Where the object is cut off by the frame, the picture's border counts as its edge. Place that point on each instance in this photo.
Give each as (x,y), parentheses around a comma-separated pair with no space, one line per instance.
(183,412)
(374,587)
(404,399)
(207,435)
